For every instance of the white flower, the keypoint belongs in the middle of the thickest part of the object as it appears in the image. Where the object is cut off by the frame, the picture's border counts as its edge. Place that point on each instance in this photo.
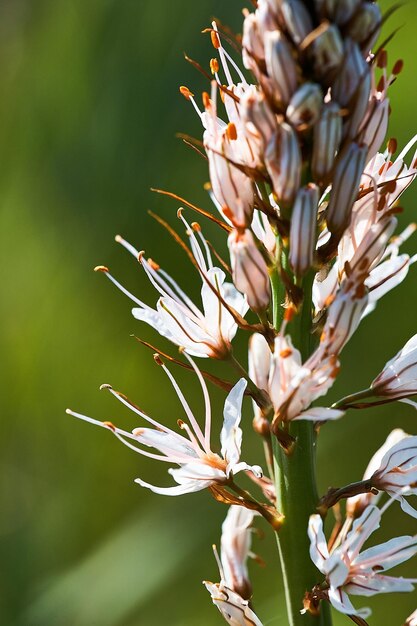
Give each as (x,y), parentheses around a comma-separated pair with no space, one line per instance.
(235,549)
(291,385)
(199,467)
(235,610)
(355,505)
(398,379)
(204,333)
(397,471)
(249,269)
(350,571)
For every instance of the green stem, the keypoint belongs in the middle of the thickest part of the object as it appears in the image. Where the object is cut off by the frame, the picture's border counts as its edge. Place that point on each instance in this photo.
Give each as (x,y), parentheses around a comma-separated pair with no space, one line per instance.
(297,496)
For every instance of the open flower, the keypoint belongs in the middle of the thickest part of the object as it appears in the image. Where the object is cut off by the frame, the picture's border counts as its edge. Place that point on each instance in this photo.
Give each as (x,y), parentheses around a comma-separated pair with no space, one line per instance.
(398,379)
(199,467)
(292,385)
(350,571)
(355,505)
(204,333)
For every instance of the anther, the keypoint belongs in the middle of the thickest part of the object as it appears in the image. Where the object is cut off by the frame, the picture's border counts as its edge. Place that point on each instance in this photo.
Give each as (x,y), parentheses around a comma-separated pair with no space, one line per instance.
(101,268)
(214,66)
(231,131)
(141,255)
(284,354)
(154,265)
(382,59)
(289,313)
(206,99)
(157,359)
(105,386)
(392,145)
(215,39)
(398,67)
(186,92)
(196,226)
(110,425)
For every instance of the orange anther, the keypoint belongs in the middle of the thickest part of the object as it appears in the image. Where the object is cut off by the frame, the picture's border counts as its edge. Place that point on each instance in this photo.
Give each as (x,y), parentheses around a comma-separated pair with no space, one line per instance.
(329,300)
(214,66)
(157,359)
(154,265)
(284,354)
(231,131)
(186,92)
(392,145)
(215,40)
(110,425)
(206,100)
(196,226)
(101,268)
(289,313)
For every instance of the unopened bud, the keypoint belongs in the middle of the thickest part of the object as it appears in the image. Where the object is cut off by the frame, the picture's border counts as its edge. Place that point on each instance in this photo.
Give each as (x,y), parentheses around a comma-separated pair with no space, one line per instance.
(260,121)
(375,127)
(339,11)
(327,52)
(283,163)
(305,106)
(366,25)
(253,48)
(346,179)
(359,105)
(259,359)
(249,270)
(297,19)
(326,141)
(350,75)
(303,230)
(281,66)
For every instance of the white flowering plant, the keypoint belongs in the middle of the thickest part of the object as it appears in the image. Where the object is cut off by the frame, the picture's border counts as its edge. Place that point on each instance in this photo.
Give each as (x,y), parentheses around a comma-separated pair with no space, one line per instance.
(294,117)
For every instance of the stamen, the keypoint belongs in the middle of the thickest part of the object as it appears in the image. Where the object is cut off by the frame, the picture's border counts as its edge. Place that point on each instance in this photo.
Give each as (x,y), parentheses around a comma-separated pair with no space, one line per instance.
(186,406)
(207,403)
(128,246)
(101,268)
(218,561)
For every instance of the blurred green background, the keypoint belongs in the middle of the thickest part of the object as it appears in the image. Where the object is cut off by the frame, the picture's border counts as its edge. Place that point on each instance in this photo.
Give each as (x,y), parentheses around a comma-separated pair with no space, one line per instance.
(89,109)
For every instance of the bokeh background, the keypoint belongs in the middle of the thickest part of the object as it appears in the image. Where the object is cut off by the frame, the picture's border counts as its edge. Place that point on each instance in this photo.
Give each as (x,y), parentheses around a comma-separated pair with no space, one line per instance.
(89,108)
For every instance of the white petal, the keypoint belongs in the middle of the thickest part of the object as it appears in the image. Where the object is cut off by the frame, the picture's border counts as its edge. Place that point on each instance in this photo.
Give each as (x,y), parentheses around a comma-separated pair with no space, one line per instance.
(319,552)
(341,602)
(167,443)
(388,554)
(199,472)
(319,414)
(372,585)
(231,434)
(177,490)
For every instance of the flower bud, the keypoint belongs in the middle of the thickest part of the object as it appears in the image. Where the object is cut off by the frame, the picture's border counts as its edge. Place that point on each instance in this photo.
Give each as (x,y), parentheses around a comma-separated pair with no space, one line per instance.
(398,379)
(359,105)
(326,142)
(355,505)
(281,66)
(339,11)
(327,52)
(297,19)
(249,270)
(305,106)
(350,75)
(375,126)
(366,25)
(232,189)
(253,48)
(283,162)
(259,360)
(303,229)
(346,179)
(260,121)
(235,549)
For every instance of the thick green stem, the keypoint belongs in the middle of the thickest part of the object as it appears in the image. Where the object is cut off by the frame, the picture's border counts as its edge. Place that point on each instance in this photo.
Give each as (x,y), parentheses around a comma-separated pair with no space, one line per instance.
(297,497)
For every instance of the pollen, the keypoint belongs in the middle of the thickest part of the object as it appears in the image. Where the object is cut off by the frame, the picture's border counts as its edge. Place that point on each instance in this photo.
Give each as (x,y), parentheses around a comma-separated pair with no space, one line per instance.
(214,66)
(231,131)
(186,92)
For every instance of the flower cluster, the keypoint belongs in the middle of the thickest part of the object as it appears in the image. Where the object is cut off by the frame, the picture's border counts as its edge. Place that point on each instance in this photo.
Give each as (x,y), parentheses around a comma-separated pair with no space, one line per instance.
(292,137)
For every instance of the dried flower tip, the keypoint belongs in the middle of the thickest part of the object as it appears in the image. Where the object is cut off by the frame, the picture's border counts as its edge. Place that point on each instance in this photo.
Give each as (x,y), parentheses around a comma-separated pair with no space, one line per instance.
(186,92)
(347,176)
(214,66)
(101,268)
(326,140)
(249,270)
(281,66)
(305,106)
(303,230)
